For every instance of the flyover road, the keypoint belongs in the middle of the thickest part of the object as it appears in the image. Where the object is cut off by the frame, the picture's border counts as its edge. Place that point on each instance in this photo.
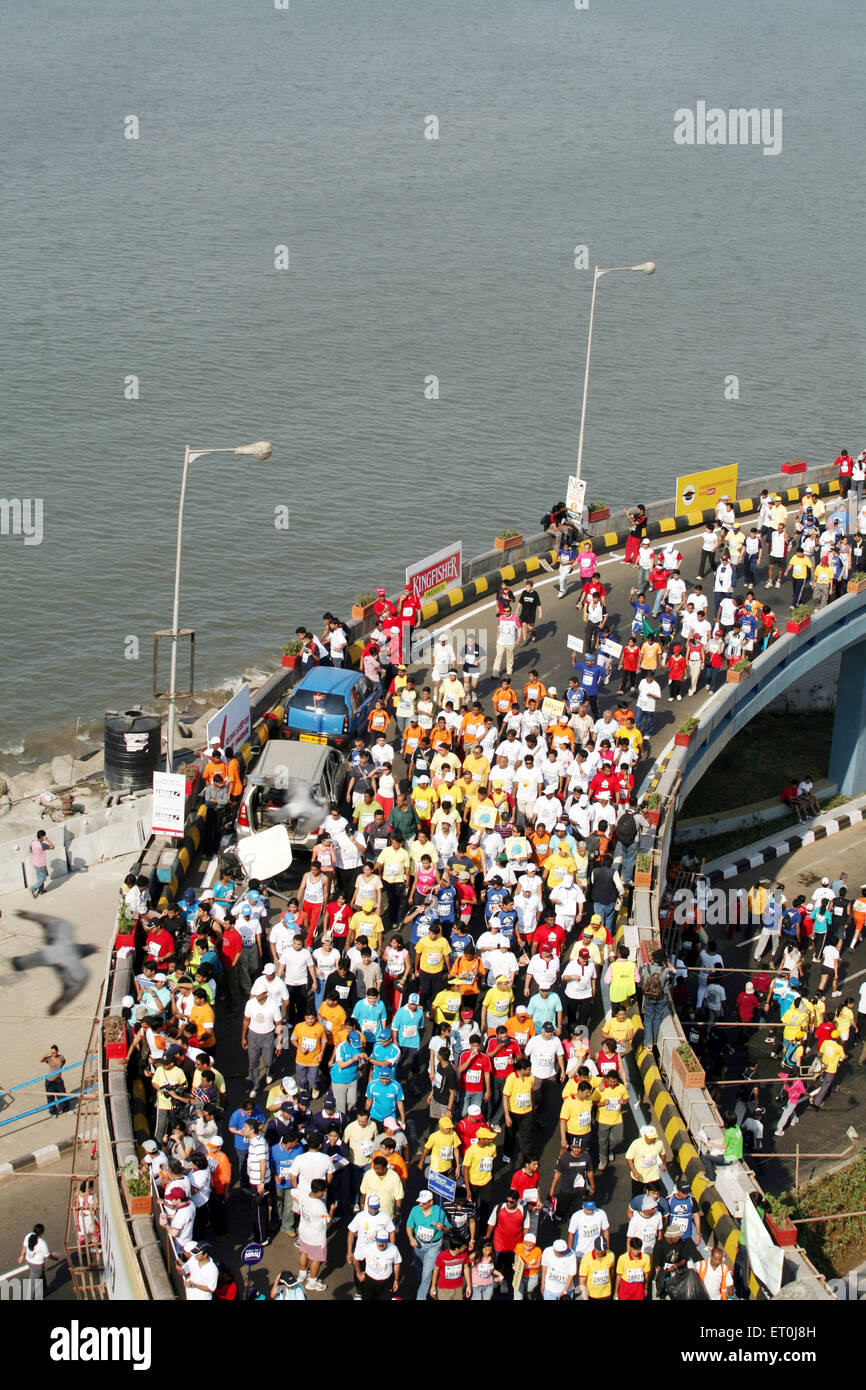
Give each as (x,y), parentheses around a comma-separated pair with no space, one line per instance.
(552,660)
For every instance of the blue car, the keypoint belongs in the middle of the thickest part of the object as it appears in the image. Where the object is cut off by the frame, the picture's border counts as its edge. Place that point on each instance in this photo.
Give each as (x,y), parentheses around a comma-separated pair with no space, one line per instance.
(329,705)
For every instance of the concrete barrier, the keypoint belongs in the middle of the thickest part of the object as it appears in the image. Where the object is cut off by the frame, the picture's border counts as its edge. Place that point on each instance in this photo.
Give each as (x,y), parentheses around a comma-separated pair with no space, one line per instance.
(82,840)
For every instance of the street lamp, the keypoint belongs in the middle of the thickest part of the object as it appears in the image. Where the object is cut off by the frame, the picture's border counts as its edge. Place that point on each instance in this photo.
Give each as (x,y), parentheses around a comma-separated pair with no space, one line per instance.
(648,268)
(260,451)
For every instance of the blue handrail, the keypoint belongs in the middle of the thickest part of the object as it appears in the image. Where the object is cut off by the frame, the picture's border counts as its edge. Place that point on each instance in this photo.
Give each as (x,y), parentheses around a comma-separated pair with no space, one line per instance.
(62,1096)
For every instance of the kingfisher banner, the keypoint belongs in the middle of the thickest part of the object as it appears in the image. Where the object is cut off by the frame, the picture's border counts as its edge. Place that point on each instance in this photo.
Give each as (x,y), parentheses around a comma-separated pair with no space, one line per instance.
(696,492)
(437,573)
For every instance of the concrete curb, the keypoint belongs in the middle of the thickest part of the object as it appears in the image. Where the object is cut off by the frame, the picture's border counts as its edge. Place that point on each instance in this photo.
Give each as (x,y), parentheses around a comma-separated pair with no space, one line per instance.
(38,1158)
(787,845)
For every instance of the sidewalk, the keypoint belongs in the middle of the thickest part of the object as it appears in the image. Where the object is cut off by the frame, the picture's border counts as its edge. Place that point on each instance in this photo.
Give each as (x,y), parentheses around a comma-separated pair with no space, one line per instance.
(88,900)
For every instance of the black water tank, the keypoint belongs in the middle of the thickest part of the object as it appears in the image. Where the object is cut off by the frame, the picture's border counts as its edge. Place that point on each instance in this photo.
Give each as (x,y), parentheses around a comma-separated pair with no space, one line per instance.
(133,750)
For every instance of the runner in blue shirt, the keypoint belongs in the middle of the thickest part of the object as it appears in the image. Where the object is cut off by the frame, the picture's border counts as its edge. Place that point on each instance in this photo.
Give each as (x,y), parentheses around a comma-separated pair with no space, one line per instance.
(370,1015)
(422,923)
(590,675)
(385,1054)
(445,897)
(344,1066)
(460,939)
(385,1097)
(237,1120)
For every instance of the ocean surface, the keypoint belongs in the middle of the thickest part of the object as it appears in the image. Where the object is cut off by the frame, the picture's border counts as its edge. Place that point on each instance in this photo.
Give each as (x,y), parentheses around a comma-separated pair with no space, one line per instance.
(154,258)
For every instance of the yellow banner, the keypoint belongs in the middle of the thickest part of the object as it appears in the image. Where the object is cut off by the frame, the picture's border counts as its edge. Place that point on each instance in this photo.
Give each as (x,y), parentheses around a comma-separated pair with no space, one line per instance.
(696,492)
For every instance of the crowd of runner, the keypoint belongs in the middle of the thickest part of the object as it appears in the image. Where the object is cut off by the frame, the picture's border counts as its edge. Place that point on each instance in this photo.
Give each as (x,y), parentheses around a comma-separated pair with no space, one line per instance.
(424,1004)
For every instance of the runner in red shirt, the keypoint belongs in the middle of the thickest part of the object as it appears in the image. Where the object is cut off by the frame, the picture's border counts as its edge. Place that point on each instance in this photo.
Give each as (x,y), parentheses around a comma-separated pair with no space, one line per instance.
(451,1273)
(676,673)
(383,607)
(160,944)
(474,1071)
(507,1221)
(547,933)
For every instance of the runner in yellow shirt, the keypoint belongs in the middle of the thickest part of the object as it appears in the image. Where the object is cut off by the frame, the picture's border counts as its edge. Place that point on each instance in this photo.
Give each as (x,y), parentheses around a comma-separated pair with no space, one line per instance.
(446,1005)
(622,1029)
(478,1164)
(556,866)
(575,1116)
(596,1272)
(442,1149)
(633,1271)
(367,923)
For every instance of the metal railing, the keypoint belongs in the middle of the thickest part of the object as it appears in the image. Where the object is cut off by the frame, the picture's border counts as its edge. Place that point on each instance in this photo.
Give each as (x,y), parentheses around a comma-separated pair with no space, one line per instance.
(59,1098)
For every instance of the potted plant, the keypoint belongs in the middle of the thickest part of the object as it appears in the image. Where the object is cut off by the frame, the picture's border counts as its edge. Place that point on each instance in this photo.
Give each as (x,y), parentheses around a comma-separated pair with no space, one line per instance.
(801,617)
(114,1037)
(192,773)
(508,540)
(643,872)
(652,805)
(291,652)
(857,582)
(139,1201)
(739,670)
(362,606)
(777,1219)
(687,1067)
(794,466)
(683,735)
(597,511)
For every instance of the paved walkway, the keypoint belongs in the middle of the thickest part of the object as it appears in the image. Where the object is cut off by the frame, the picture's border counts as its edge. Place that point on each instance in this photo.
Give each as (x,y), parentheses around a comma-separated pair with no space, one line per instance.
(89,901)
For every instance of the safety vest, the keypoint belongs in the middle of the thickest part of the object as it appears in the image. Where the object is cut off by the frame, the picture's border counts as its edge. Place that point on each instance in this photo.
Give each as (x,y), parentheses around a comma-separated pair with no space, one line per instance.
(726,1284)
(621,980)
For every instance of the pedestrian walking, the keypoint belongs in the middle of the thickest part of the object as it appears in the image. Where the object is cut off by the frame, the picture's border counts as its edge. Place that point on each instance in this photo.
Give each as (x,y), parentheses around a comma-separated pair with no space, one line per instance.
(35,1253)
(38,848)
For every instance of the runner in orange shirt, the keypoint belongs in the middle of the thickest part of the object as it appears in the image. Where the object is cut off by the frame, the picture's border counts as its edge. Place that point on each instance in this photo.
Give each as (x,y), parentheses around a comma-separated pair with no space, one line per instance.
(534,689)
(378,719)
(472,727)
(503,699)
(412,736)
(520,1026)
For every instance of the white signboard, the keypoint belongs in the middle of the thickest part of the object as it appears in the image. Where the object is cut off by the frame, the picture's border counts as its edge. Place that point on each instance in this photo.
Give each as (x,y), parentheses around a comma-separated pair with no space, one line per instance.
(266,854)
(611,648)
(575,498)
(766,1258)
(231,724)
(574,644)
(169,799)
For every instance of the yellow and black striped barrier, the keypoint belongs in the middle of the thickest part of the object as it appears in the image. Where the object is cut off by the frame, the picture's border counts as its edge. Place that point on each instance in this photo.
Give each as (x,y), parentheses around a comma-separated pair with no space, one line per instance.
(140,1123)
(194,833)
(485,584)
(679,1141)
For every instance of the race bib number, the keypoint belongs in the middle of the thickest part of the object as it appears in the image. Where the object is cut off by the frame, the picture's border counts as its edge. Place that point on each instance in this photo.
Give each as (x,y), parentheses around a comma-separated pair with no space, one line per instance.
(634,1276)
(600,1277)
(522,1100)
(485,1165)
(308,1044)
(410,1030)
(681,1224)
(366,1146)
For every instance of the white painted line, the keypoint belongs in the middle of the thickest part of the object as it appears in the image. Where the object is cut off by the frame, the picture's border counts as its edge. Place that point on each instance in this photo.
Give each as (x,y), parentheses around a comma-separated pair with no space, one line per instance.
(749,940)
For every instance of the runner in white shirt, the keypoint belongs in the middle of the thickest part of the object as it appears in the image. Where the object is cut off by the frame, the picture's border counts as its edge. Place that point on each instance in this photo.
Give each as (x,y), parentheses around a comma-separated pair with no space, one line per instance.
(586,1225)
(544,969)
(558,1271)
(544,1051)
(200,1277)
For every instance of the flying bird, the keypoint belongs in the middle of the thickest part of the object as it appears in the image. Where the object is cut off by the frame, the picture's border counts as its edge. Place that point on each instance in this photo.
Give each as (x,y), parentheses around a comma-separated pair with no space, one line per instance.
(62,953)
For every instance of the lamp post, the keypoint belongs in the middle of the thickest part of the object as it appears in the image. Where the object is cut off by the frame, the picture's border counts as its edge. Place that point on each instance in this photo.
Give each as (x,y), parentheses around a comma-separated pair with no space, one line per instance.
(648,268)
(260,451)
